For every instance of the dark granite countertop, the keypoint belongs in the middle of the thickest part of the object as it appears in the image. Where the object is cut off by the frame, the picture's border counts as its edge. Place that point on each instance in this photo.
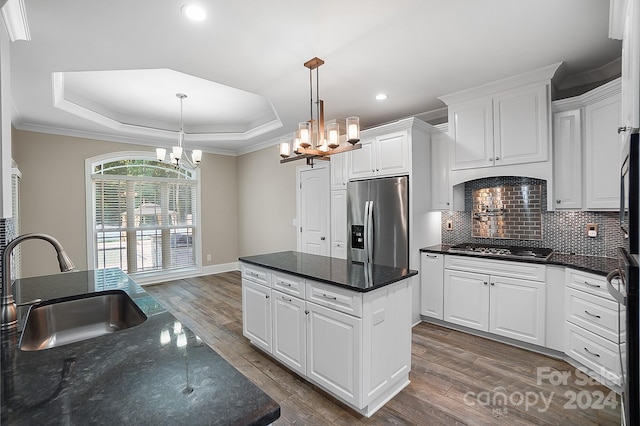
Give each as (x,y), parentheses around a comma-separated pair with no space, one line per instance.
(133,376)
(352,275)
(593,264)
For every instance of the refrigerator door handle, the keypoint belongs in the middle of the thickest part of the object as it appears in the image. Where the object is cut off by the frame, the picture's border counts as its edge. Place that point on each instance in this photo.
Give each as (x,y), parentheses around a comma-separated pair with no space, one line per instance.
(369,230)
(365,231)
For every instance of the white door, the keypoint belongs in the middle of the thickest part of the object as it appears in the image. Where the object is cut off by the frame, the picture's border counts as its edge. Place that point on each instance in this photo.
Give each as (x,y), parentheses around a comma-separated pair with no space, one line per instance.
(518,309)
(289,331)
(466,299)
(334,352)
(313,199)
(256,314)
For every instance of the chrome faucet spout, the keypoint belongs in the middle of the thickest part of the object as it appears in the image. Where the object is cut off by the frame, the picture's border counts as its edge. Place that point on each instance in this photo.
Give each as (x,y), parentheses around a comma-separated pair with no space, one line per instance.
(9,311)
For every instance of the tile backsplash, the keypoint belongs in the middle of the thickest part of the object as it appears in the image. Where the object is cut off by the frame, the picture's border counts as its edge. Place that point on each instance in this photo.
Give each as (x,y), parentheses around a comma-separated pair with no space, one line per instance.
(562,231)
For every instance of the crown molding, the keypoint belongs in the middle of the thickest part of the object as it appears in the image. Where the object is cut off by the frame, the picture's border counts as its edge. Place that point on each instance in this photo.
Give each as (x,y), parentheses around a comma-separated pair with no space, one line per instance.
(14,16)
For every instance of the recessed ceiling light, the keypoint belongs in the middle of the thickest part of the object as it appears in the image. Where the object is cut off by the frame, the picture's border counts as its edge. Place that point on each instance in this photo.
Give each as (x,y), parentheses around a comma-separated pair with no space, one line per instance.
(381,96)
(194,12)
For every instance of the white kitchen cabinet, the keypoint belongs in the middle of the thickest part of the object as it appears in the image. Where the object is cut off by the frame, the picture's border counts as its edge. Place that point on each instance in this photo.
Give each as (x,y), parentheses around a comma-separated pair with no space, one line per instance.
(256,310)
(289,331)
(339,232)
(466,299)
(625,25)
(592,333)
(602,153)
(505,128)
(381,155)
(517,309)
(587,149)
(321,331)
(432,285)
(503,298)
(440,199)
(334,352)
(567,159)
(339,177)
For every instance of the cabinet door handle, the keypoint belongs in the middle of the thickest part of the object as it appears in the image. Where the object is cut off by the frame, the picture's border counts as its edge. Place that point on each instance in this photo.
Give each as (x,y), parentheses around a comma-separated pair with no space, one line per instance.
(592,285)
(623,129)
(497,158)
(306,312)
(329,297)
(490,159)
(558,201)
(591,353)
(493,283)
(266,296)
(591,315)
(448,203)
(485,283)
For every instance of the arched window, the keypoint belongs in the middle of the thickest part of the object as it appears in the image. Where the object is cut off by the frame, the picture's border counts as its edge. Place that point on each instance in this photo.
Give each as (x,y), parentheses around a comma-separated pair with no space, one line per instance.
(143,215)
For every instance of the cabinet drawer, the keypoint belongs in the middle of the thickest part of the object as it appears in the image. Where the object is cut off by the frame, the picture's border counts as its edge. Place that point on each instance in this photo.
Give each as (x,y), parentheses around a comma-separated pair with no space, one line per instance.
(591,283)
(521,270)
(594,352)
(596,314)
(343,300)
(289,284)
(256,273)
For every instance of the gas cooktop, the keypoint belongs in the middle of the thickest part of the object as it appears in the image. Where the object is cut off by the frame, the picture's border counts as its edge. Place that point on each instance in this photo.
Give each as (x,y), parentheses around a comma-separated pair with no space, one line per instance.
(539,253)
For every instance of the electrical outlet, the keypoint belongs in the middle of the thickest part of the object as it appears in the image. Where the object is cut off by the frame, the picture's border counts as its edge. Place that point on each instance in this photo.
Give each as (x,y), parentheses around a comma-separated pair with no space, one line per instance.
(208,258)
(592,230)
(449,225)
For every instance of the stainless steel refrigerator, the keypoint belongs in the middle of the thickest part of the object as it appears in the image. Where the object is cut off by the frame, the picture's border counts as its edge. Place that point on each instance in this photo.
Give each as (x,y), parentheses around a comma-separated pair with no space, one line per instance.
(378,221)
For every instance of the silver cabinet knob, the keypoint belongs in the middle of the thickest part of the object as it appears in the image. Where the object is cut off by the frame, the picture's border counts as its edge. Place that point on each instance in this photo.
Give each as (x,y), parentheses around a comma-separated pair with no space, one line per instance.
(322,238)
(623,129)
(558,201)
(497,158)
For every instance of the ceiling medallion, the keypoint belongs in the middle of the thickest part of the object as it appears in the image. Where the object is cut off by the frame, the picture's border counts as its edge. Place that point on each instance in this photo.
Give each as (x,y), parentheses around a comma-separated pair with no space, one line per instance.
(311,142)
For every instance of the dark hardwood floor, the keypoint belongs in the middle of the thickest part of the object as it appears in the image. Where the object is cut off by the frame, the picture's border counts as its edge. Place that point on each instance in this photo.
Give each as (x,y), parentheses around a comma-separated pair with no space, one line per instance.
(456,378)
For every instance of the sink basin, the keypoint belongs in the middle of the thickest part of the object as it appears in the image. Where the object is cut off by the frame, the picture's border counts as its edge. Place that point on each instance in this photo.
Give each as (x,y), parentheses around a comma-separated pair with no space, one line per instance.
(71,319)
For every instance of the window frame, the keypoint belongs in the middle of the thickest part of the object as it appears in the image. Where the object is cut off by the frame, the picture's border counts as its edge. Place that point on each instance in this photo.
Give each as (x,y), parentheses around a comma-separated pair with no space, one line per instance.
(145,277)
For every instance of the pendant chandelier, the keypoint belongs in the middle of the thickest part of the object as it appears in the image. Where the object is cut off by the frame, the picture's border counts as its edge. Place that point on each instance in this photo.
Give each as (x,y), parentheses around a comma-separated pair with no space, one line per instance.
(175,156)
(312,140)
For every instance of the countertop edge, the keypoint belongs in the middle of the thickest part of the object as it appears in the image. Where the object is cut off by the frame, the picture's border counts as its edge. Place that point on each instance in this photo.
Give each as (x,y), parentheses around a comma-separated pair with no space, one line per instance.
(569,261)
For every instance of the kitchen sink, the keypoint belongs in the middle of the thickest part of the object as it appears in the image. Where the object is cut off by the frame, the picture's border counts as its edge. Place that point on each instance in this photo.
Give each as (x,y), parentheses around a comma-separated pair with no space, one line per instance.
(72,319)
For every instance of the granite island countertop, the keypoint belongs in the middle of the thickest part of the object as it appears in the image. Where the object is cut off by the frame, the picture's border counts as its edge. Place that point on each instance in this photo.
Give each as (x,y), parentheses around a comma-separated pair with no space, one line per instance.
(133,376)
(354,276)
(594,264)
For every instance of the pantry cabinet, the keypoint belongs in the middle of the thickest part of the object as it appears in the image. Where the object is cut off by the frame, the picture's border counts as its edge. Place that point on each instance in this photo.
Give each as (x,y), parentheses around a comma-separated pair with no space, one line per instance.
(339,243)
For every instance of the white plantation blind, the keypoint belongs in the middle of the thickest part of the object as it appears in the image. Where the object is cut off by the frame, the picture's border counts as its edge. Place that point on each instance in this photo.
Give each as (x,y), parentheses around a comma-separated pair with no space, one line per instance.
(145,216)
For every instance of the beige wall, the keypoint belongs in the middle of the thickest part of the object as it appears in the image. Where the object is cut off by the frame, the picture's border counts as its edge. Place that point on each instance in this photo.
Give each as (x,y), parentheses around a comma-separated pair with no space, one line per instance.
(266,203)
(52,191)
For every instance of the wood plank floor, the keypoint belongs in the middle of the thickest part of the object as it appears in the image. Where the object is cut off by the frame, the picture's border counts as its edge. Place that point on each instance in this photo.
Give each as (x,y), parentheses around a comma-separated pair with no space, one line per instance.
(456,378)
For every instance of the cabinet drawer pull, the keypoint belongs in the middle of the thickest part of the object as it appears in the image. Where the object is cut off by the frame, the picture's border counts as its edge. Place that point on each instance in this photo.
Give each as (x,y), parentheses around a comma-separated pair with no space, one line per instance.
(329,297)
(591,353)
(286,299)
(284,283)
(431,256)
(590,314)
(592,285)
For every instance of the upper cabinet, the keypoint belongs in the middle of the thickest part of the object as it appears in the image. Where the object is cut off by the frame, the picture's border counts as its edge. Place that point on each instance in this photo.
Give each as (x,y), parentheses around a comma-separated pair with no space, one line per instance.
(382,155)
(510,127)
(625,26)
(339,177)
(502,128)
(440,198)
(586,148)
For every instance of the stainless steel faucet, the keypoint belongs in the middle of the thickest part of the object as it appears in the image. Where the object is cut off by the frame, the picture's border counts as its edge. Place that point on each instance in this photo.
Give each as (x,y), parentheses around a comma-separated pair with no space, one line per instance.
(9,309)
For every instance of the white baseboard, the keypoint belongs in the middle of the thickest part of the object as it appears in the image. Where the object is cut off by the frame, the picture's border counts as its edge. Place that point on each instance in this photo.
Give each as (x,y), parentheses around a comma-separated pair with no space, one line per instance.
(207,270)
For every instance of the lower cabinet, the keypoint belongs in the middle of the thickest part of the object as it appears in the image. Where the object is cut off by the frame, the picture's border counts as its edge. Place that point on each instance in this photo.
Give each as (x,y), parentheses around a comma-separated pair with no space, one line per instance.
(489,301)
(592,334)
(431,265)
(354,345)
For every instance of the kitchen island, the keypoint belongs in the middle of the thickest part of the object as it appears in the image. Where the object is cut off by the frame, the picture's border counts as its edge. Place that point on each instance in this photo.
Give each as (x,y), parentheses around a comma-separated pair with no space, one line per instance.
(158,372)
(344,326)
